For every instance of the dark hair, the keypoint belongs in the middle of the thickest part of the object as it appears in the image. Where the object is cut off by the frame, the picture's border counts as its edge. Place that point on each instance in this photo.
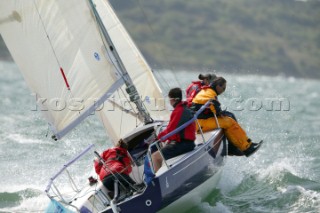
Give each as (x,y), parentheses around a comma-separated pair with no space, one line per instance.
(208,76)
(122,144)
(218,81)
(175,93)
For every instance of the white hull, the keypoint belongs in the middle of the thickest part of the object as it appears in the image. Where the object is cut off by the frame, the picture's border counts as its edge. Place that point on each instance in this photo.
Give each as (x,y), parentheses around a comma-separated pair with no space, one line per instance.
(194,197)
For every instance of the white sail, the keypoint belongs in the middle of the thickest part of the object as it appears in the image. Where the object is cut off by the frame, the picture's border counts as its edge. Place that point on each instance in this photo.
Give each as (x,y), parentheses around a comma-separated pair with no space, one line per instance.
(61,52)
(117,120)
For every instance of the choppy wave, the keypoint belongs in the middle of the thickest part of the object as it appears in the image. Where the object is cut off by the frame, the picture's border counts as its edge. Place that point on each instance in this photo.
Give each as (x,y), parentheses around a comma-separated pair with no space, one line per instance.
(26,200)
(278,191)
(282,177)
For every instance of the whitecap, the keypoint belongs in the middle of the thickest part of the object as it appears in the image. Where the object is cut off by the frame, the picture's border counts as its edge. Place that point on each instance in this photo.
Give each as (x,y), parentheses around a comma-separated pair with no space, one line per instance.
(23,140)
(33,204)
(220,207)
(275,170)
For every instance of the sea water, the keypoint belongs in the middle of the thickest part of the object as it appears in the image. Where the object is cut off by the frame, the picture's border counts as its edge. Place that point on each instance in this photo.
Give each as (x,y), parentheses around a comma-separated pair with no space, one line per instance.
(283,176)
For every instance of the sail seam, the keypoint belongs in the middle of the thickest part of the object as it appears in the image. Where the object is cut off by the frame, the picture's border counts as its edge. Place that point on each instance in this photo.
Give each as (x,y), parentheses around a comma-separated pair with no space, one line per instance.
(92,108)
(51,46)
(131,89)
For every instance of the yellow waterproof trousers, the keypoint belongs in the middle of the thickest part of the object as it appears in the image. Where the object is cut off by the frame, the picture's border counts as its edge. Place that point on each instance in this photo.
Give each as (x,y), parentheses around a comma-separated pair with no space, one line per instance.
(233,131)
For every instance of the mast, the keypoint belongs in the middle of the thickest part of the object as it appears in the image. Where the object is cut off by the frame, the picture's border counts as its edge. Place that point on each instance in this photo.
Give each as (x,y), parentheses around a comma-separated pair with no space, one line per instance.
(134,96)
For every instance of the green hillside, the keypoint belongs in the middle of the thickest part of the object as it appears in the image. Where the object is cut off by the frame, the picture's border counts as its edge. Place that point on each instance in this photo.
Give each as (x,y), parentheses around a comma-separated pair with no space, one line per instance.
(246,36)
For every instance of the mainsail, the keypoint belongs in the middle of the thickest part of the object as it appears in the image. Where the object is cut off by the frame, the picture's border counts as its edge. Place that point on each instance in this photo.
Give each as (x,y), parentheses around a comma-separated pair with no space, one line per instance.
(65,60)
(118,110)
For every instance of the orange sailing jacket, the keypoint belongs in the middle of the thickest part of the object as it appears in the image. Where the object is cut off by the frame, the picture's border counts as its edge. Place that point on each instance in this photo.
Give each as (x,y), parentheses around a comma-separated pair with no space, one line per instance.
(206,94)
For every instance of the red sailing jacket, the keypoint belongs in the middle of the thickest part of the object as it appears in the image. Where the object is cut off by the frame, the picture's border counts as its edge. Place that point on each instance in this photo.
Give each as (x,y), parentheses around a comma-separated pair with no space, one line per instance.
(192,91)
(116,162)
(180,115)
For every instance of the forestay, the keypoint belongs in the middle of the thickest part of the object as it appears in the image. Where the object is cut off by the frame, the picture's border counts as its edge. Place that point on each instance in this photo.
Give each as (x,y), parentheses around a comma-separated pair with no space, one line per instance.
(65,60)
(114,115)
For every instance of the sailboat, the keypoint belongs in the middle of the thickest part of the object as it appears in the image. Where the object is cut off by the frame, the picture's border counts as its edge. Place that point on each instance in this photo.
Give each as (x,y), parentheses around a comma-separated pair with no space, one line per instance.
(78,60)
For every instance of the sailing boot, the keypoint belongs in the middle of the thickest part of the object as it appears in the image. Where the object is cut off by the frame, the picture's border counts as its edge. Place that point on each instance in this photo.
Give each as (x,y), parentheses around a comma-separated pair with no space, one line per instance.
(252,149)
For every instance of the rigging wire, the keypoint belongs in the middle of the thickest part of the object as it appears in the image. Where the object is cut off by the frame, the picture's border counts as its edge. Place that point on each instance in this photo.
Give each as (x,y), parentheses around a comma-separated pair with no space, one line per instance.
(131,106)
(121,118)
(53,50)
(108,53)
(71,96)
(160,49)
(123,70)
(108,50)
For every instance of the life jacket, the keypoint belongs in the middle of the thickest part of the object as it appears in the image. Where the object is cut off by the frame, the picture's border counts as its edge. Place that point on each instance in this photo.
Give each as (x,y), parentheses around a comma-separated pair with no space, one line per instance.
(187,115)
(180,115)
(207,93)
(117,161)
(119,157)
(192,90)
